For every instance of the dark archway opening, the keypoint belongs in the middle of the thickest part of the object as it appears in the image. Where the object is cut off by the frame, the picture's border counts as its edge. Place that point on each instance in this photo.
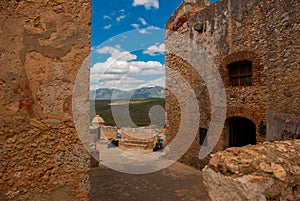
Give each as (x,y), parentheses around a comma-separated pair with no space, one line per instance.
(241,132)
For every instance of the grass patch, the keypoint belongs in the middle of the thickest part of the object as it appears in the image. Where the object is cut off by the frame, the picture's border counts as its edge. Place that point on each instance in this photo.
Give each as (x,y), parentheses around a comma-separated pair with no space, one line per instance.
(138,109)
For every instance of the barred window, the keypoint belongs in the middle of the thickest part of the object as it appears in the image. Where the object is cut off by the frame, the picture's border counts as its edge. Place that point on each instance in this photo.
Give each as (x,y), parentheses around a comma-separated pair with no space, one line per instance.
(240,73)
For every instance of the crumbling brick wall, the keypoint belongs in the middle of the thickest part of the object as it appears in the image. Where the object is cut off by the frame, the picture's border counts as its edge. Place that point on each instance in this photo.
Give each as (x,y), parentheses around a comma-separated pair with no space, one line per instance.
(43,44)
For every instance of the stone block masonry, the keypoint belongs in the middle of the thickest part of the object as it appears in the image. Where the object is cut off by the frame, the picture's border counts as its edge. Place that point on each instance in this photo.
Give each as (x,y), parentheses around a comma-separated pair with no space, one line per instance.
(262,32)
(42,46)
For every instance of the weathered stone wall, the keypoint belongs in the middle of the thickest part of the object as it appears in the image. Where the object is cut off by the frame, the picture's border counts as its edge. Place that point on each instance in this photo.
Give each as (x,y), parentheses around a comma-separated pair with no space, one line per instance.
(42,46)
(270,171)
(283,126)
(264,32)
(177,46)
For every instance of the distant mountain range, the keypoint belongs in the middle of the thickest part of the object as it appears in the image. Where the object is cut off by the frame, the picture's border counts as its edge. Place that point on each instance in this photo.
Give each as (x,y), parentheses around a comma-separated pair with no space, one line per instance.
(145,92)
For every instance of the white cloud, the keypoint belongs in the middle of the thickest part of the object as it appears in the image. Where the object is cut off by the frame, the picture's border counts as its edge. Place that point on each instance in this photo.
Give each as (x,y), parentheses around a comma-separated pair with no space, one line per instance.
(113,66)
(107,27)
(121,62)
(125,83)
(96,78)
(111,76)
(106,17)
(151,72)
(147,65)
(129,83)
(143,21)
(156,82)
(152,27)
(136,26)
(117,53)
(119,71)
(118,19)
(155,50)
(147,3)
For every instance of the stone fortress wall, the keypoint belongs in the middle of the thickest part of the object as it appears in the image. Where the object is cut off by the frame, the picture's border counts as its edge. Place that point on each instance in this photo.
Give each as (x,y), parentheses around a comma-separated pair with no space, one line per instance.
(43,44)
(265,33)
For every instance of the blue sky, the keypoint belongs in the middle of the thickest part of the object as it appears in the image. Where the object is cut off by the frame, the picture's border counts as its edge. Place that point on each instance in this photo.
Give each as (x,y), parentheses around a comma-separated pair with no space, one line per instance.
(128,42)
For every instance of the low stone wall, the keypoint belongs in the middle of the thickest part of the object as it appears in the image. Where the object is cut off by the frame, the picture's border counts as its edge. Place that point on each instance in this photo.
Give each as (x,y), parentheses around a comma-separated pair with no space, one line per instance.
(270,171)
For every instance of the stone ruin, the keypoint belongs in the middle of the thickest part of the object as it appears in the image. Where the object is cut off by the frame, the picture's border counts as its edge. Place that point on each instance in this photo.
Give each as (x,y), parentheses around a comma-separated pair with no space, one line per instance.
(253,46)
(44,44)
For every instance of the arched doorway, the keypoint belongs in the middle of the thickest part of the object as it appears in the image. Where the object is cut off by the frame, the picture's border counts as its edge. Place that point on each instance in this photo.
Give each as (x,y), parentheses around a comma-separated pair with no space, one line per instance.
(241,132)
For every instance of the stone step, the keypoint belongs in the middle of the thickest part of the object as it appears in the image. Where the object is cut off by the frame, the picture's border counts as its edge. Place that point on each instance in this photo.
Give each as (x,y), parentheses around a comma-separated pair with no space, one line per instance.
(131,145)
(137,142)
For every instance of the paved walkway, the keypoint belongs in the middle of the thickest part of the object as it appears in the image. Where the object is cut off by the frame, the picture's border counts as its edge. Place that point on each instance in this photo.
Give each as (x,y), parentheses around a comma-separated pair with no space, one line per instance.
(176,182)
(143,177)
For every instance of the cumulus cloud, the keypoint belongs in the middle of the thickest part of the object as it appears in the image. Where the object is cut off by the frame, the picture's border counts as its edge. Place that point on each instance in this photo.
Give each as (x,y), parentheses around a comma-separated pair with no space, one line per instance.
(147,65)
(151,72)
(100,78)
(125,83)
(155,82)
(155,50)
(116,53)
(113,66)
(120,71)
(146,3)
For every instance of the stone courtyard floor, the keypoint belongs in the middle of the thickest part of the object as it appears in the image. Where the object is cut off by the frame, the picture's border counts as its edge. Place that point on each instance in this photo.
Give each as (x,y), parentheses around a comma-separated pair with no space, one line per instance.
(176,182)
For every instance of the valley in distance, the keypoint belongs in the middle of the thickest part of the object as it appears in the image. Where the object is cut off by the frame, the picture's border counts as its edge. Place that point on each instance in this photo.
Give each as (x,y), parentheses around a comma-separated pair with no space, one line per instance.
(141,101)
